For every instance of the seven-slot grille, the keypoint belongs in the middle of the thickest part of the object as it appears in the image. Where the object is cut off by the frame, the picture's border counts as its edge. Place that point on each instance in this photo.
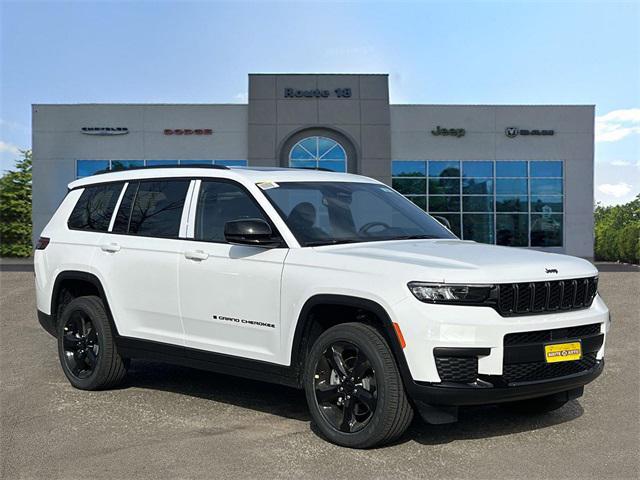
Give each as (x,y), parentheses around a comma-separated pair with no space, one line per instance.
(540,297)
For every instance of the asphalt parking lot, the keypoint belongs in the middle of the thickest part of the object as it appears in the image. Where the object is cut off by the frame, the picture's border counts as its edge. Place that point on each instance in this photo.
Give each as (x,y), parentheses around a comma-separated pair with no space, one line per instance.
(173,422)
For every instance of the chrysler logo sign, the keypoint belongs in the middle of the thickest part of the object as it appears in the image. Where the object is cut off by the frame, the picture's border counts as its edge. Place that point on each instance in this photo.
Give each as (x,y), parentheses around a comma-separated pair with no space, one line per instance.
(513,132)
(105,131)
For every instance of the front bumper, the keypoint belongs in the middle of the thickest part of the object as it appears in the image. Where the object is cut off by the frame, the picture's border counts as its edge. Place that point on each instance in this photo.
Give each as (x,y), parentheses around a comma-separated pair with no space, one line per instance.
(486,392)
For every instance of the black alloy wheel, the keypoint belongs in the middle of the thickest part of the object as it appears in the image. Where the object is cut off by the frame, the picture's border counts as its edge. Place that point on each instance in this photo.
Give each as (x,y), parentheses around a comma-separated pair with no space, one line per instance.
(354,389)
(345,387)
(88,352)
(80,345)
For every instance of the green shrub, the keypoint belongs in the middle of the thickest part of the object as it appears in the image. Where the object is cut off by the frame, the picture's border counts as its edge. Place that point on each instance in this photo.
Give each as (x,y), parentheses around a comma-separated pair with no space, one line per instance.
(617,232)
(15,209)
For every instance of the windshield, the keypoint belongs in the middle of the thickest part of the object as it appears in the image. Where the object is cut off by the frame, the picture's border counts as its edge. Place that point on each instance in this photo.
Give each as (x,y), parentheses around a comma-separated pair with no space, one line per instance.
(328,213)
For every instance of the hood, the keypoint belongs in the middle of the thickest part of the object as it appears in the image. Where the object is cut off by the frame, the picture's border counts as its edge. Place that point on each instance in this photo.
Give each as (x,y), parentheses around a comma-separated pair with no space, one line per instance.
(458,261)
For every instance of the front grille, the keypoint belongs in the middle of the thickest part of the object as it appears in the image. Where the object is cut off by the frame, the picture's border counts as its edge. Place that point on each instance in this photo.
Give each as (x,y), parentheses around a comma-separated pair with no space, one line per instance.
(540,297)
(542,336)
(457,369)
(535,371)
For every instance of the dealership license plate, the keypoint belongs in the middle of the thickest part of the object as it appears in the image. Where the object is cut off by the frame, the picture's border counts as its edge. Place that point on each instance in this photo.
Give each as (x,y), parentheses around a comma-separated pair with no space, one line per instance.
(563,352)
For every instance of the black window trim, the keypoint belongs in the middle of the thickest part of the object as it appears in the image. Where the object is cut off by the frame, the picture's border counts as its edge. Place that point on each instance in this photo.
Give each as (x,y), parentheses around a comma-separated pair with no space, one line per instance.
(190,179)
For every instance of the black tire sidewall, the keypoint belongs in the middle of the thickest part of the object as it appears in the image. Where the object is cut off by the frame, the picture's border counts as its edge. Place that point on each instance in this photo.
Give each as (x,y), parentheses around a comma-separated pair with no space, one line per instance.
(93,308)
(374,431)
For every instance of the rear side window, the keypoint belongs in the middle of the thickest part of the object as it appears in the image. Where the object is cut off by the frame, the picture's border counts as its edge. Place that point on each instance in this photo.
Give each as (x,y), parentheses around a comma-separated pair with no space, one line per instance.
(95,207)
(152,208)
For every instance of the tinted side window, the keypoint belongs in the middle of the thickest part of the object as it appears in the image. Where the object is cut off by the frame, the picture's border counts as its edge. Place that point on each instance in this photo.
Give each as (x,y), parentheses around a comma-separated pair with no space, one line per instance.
(95,207)
(152,209)
(221,202)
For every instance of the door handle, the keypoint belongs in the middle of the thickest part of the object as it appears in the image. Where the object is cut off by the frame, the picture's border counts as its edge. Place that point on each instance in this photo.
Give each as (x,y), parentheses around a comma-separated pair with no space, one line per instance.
(196,255)
(110,247)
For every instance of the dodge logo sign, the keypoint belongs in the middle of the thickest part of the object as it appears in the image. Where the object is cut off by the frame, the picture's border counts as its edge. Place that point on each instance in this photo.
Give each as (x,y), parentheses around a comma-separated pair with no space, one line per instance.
(188,131)
(104,131)
(513,132)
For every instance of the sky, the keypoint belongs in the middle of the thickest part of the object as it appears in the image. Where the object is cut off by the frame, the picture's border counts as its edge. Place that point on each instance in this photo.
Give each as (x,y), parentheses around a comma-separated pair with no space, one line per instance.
(434,52)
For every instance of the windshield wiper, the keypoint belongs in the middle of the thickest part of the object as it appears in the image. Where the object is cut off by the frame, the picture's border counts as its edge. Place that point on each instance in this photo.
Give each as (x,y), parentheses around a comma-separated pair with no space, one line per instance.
(413,237)
(333,241)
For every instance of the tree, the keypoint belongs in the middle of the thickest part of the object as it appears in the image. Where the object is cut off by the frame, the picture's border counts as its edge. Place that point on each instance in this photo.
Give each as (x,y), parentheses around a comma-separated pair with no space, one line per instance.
(617,232)
(15,209)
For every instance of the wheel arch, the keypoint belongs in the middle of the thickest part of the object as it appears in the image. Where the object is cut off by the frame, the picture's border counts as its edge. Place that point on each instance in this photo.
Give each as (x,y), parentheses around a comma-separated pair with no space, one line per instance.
(373,313)
(81,282)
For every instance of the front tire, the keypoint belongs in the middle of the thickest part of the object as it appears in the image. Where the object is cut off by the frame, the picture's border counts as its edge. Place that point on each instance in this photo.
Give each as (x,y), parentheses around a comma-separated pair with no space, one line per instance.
(353,388)
(86,348)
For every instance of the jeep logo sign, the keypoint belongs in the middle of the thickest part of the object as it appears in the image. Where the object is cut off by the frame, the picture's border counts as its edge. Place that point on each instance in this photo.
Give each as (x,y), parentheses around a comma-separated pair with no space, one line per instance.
(451,132)
(513,132)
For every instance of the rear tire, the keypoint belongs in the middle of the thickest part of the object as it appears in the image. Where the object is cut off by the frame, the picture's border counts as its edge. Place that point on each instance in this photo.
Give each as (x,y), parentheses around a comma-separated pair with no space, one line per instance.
(86,347)
(353,388)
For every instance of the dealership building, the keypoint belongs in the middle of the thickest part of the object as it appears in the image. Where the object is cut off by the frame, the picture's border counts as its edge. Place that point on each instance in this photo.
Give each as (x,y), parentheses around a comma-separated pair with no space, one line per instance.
(517,175)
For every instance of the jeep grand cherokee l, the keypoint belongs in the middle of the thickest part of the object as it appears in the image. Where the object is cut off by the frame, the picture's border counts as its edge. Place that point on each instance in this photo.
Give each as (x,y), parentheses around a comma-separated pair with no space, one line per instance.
(329,282)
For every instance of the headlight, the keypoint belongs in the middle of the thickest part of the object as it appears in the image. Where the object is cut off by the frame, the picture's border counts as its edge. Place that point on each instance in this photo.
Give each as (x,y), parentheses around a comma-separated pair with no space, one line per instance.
(449,293)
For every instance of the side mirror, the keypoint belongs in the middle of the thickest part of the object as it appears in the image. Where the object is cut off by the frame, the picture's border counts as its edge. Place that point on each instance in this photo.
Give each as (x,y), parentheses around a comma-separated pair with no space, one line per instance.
(250,231)
(443,221)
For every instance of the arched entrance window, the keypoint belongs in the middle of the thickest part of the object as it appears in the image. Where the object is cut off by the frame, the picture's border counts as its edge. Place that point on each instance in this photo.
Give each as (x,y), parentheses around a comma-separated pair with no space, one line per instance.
(318,152)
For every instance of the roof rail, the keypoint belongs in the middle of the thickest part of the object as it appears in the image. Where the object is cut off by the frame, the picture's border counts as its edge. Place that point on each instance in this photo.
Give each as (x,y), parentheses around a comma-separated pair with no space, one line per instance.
(147,167)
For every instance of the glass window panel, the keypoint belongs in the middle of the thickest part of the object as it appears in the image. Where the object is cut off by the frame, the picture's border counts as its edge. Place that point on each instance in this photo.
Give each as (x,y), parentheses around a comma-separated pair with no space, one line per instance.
(231,163)
(84,168)
(477,186)
(477,169)
(546,186)
(219,203)
(546,230)
(477,203)
(311,145)
(546,204)
(512,229)
(161,163)
(420,201)
(336,153)
(408,168)
(511,203)
(410,186)
(453,219)
(95,207)
(511,185)
(334,165)
(196,162)
(478,227)
(324,145)
(299,153)
(441,186)
(511,169)
(118,165)
(444,169)
(303,164)
(545,169)
(444,203)
(157,208)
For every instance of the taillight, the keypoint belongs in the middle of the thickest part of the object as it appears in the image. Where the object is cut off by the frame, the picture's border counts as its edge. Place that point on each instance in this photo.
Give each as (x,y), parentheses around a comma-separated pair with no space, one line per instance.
(42,243)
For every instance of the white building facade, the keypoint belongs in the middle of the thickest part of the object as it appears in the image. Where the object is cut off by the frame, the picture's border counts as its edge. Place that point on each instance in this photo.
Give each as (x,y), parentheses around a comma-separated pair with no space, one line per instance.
(515,175)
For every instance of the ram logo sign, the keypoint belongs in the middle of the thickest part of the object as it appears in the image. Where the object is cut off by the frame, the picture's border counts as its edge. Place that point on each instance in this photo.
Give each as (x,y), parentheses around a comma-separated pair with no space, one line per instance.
(513,132)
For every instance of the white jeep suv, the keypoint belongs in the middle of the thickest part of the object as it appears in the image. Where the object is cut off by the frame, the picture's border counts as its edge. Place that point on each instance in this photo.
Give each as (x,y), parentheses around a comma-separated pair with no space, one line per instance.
(329,282)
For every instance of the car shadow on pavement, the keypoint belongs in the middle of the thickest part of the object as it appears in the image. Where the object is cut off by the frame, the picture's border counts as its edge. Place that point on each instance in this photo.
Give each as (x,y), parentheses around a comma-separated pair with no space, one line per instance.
(474,422)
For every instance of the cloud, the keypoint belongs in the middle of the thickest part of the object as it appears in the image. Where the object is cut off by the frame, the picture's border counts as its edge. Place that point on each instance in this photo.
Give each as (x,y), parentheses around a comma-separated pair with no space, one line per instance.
(615,189)
(617,124)
(9,148)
